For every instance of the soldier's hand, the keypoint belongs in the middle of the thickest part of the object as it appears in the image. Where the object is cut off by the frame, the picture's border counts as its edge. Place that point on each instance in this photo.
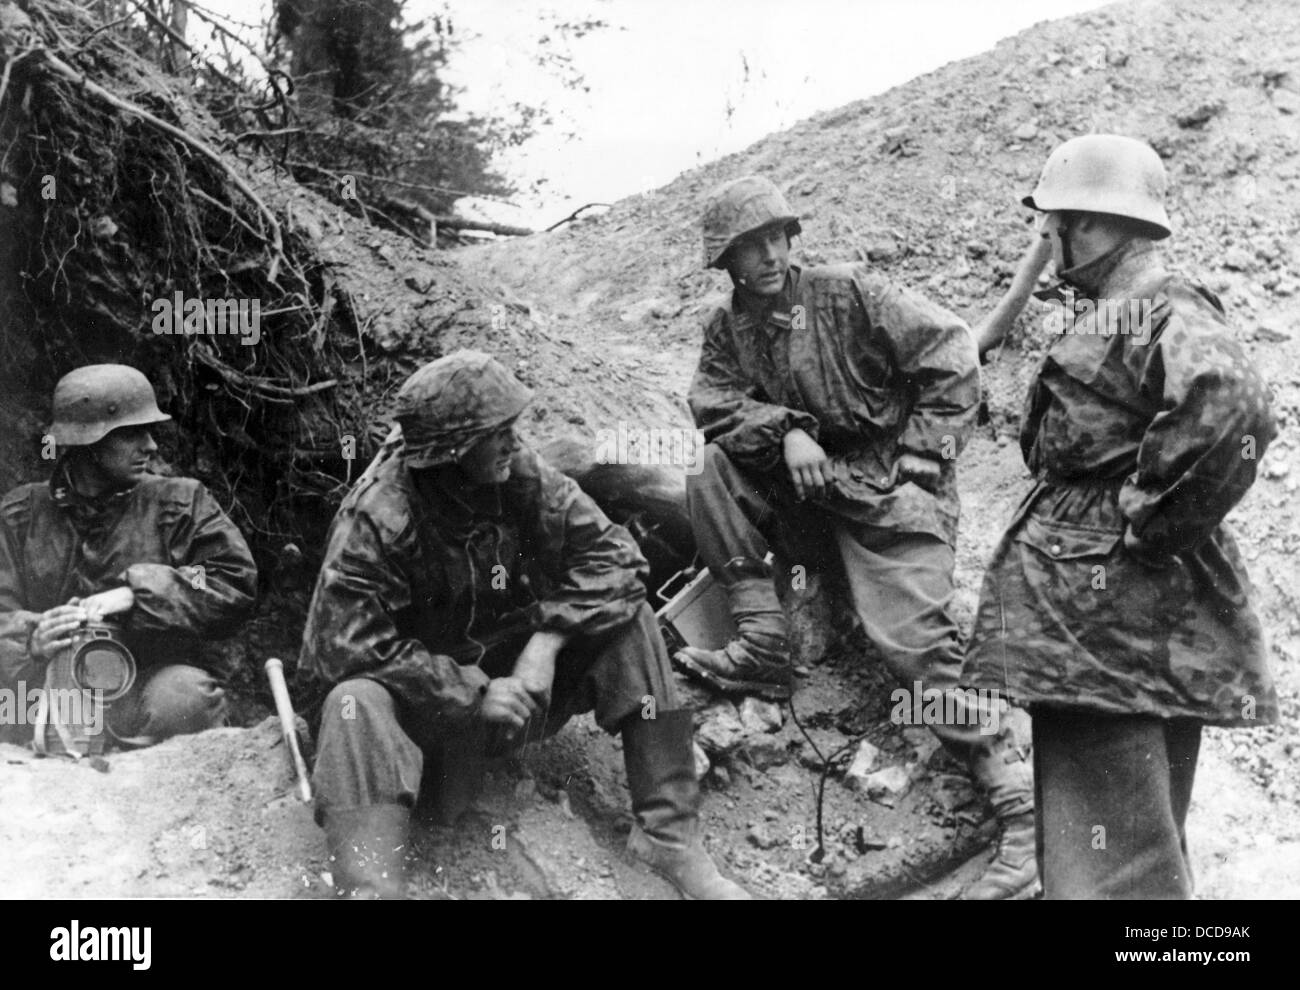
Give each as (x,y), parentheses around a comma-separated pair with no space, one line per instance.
(536,664)
(1144,555)
(55,628)
(809,467)
(921,471)
(507,702)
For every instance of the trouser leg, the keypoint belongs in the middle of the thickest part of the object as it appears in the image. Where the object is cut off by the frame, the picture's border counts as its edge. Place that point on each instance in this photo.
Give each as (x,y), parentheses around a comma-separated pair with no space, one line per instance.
(731,514)
(363,755)
(902,587)
(366,779)
(1114,793)
(172,700)
(621,673)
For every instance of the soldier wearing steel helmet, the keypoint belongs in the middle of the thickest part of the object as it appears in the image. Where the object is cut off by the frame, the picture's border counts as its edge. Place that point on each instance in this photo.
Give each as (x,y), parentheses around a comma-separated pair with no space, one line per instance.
(1116,605)
(835,404)
(472,599)
(104,522)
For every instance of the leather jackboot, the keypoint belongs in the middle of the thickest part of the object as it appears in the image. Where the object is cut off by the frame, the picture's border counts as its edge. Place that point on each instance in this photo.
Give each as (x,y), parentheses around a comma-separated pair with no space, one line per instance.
(367,849)
(1007,778)
(757,661)
(666,802)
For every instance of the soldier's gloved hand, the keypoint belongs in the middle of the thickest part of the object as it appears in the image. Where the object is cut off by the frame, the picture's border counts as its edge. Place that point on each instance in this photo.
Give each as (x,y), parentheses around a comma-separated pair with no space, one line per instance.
(809,467)
(507,702)
(921,471)
(54,629)
(1139,551)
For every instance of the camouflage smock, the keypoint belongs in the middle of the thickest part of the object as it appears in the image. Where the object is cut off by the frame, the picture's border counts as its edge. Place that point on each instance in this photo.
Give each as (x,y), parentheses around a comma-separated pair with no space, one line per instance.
(867,368)
(419,578)
(1163,437)
(56,544)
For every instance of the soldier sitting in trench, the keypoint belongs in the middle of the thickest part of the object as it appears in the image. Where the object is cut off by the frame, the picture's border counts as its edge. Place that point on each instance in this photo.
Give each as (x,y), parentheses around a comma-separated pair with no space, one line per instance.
(179,569)
(472,598)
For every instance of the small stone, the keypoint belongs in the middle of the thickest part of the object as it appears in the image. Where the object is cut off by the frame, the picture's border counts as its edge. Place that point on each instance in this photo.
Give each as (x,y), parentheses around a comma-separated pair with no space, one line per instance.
(891,782)
(1286,101)
(758,715)
(865,761)
(702,763)
(1272,332)
(977,249)
(1238,260)
(763,751)
(720,729)
(103,228)
(885,249)
(1025,132)
(1199,115)
(761,837)
(1276,470)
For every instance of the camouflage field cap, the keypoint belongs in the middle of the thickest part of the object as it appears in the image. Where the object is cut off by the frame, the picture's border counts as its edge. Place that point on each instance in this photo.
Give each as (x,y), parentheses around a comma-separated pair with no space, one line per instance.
(738,207)
(451,402)
(1105,173)
(93,401)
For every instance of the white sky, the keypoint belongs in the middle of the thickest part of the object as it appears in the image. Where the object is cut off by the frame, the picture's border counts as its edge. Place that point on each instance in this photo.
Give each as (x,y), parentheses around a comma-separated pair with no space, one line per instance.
(668,84)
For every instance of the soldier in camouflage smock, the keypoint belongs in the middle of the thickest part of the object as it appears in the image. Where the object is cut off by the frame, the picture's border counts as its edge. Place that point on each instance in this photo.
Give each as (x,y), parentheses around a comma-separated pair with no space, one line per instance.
(473,598)
(834,403)
(1117,606)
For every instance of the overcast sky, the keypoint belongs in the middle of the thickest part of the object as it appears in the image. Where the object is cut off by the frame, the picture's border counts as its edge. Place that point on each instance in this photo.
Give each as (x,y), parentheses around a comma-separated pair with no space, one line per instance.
(674,83)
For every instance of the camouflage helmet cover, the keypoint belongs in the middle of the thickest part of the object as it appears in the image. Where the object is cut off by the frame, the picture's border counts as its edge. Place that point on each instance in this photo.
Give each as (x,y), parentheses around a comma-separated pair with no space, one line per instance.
(739,207)
(1105,173)
(449,403)
(91,402)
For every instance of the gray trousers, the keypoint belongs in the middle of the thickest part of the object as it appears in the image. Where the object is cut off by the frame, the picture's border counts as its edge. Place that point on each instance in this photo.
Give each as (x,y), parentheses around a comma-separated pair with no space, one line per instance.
(902,590)
(372,749)
(1112,796)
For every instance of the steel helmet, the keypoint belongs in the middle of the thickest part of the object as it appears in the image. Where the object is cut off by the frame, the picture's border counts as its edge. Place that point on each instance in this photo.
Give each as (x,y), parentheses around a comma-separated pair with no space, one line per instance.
(1105,173)
(738,207)
(91,402)
(451,402)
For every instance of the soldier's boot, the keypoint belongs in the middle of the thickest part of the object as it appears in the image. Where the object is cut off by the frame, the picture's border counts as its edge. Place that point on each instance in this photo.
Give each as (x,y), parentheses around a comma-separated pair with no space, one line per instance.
(1013,874)
(666,802)
(757,661)
(367,848)
(1006,776)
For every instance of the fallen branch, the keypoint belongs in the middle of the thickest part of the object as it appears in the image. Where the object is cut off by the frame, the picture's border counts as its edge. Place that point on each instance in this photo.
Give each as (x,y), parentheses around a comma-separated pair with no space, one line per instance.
(72,75)
(573,215)
(459,223)
(255,384)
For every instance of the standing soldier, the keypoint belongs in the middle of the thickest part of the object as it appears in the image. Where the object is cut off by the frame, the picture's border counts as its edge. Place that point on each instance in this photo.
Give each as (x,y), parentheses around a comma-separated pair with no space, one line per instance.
(104,522)
(1116,605)
(473,597)
(835,404)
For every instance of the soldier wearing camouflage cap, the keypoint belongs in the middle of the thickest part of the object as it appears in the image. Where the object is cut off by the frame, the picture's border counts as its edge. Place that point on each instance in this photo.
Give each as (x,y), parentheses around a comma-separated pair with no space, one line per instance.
(1116,605)
(178,569)
(472,599)
(835,403)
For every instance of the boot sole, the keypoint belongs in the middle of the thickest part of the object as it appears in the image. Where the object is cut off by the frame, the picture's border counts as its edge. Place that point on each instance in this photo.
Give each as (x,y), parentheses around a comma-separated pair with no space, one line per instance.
(762,689)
